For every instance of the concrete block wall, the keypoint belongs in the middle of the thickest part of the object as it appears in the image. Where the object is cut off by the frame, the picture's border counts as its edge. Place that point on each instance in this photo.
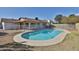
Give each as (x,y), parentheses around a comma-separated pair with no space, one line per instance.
(65,26)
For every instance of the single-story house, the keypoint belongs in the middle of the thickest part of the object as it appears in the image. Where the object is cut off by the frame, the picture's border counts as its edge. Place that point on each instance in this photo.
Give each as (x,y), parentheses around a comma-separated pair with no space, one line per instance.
(22,23)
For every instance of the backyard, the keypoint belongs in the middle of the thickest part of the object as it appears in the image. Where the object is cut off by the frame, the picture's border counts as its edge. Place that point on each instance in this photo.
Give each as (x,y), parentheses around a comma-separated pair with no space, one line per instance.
(70,43)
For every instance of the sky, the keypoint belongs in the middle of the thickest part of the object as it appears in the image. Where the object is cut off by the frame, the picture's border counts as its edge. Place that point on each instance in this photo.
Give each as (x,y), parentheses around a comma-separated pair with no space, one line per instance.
(40,12)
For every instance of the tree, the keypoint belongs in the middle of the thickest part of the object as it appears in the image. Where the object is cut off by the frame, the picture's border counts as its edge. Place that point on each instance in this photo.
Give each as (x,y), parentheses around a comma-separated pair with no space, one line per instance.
(72,15)
(36,18)
(58,18)
(64,20)
(73,18)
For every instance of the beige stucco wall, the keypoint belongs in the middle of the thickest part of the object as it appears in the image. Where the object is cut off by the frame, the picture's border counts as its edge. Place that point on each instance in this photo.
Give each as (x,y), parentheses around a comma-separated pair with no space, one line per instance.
(11,26)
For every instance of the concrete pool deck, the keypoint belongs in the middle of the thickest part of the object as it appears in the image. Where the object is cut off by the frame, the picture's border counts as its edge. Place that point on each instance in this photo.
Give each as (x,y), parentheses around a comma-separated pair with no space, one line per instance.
(59,38)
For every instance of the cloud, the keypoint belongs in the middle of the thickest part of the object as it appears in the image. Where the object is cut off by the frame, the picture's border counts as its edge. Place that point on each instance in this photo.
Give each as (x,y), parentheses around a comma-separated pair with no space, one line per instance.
(77,14)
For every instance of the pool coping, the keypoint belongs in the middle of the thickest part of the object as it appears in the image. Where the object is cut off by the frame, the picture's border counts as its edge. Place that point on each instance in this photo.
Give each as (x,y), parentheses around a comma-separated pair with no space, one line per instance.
(60,37)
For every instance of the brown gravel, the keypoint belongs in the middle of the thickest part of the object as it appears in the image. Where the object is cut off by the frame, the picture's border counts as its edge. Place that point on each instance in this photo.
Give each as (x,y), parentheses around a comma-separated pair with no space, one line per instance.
(8,37)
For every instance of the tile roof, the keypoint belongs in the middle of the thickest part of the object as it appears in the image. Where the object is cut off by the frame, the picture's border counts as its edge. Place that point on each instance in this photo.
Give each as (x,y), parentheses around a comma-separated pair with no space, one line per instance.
(26,20)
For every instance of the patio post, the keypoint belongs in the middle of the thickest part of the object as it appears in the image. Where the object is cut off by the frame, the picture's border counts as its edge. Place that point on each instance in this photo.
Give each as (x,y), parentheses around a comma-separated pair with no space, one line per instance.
(3,25)
(36,25)
(40,25)
(29,25)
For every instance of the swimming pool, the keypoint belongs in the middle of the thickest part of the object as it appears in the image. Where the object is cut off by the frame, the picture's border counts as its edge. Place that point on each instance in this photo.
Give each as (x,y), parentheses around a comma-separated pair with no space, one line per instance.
(45,34)
(43,37)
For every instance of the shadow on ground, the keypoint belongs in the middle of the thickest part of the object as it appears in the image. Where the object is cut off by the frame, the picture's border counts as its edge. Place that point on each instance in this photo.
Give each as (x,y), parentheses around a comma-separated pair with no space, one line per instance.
(3,33)
(15,47)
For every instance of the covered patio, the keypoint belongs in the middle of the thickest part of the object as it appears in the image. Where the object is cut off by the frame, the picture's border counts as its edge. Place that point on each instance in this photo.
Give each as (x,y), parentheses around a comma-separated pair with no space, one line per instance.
(31,24)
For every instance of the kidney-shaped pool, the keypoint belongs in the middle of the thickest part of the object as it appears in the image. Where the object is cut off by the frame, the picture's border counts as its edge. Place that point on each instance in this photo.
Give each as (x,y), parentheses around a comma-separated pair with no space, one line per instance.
(41,37)
(45,34)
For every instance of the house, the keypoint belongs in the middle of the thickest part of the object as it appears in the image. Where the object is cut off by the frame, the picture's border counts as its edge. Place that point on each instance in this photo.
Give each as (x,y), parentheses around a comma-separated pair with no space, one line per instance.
(8,23)
(22,23)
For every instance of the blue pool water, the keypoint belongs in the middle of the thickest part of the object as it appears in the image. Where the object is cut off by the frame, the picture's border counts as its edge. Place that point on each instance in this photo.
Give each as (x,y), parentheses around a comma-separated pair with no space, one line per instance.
(45,34)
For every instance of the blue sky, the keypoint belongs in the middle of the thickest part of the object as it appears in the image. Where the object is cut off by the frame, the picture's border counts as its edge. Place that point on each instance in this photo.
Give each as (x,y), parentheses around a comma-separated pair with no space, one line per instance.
(40,12)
